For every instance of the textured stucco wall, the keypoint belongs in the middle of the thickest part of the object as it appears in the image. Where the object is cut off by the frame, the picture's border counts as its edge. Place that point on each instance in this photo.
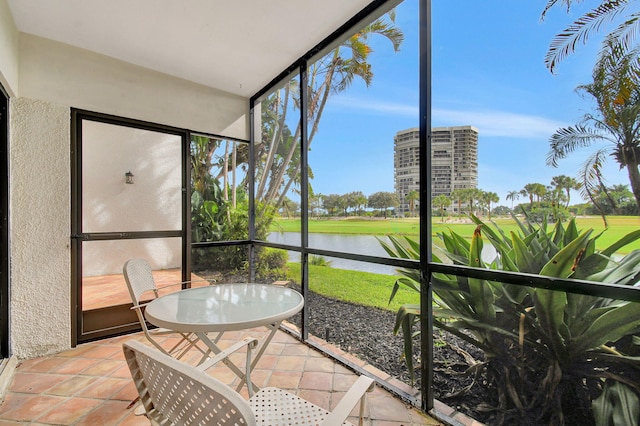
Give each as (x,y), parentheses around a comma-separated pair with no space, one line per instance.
(8,50)
(40,223)
(54,77)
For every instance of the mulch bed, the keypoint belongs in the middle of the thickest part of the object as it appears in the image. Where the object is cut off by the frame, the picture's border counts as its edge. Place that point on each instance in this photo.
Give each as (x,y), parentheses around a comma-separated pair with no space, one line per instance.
(368,334)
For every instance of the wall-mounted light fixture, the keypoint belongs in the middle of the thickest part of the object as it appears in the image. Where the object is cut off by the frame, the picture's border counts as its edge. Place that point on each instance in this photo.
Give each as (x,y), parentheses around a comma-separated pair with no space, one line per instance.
(128,178)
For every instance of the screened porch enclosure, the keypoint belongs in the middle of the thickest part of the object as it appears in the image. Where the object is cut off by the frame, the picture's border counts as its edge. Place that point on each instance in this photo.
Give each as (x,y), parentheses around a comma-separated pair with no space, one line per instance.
(291,139)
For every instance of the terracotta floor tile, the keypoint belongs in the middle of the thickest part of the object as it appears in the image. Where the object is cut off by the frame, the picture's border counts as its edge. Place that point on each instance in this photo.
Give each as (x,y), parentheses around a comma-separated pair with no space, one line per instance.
(284,338)
(122,372)
(319,364)
(384,407)
(102,368)
(69,411)
(7,423)
(321,399)
(75,366)
(316,381)
(296,349)
(103,388)
(47,365)
(22,407)
(91,384)
(71,386)
(127,393)
(102,352)
(274,348)
(343,382)
(291,363)
(34,382)
(285,379)
(76,352)
(268,362)
(108,413)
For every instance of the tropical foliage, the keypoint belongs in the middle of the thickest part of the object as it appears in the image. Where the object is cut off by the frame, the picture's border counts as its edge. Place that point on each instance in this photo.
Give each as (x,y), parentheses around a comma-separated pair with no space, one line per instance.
(220,207)
(547,353)
(623,36)
(614,131)
(278,150)
(383,201)
(613,200)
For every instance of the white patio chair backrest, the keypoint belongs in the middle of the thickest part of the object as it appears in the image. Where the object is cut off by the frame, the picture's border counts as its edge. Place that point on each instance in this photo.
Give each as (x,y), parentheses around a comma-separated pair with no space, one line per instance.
(137,274)
(173,392)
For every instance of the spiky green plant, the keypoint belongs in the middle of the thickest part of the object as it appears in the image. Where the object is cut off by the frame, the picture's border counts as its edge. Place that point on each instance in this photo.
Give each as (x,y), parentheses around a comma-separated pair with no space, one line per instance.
(545,350)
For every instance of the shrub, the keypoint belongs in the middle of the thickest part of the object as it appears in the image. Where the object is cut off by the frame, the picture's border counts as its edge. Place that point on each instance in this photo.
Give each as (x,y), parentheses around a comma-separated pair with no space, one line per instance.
(547,352)
(318,260)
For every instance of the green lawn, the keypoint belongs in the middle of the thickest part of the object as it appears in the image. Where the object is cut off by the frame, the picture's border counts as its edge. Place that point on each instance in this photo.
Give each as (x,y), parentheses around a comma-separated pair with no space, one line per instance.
(618,227)
(371,289)
(363,288)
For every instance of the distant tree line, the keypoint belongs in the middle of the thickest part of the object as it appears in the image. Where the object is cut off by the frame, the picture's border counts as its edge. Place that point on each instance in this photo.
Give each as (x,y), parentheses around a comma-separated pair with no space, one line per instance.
(552,200)
(354,203)
(555,198)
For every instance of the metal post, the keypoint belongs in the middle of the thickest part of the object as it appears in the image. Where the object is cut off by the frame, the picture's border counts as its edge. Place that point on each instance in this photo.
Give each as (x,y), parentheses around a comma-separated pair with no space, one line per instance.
(426,297)
(304,193)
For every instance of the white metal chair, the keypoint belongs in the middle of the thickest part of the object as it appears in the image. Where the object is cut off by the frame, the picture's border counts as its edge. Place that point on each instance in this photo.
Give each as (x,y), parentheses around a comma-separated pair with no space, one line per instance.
(139,279)
(173,392)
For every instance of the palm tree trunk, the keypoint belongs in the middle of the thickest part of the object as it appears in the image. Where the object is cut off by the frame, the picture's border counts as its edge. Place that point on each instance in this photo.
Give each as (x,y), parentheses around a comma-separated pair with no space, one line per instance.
(234,166)
(325,91)
(634,180)
(275,140)
(276,180)
(225,175)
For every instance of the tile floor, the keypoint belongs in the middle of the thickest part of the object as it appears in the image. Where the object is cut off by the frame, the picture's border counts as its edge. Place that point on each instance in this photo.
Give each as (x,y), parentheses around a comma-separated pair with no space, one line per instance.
(110,290)
(90,385)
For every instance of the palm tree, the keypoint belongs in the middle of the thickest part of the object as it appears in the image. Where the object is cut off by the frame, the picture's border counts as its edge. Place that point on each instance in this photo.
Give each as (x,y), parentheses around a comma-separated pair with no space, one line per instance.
(565,183)
(616,126)
(534,190)
(458,196)
(622,36)
(474,194)
(442,201)
(288,207)
(279,167)
(513,195)
(488,198)
(315,202)
(411,198)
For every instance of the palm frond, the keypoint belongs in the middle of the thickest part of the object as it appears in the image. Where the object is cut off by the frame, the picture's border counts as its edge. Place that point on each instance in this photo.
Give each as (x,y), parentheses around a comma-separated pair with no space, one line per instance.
(391,32)
(590,174)
(552,3)
(567,139)
(579,31)
(627,32)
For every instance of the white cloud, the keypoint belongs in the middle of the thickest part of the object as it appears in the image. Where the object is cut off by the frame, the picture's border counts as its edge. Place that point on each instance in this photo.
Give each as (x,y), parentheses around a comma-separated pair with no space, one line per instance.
(376,106)
(489,122)
(499,123)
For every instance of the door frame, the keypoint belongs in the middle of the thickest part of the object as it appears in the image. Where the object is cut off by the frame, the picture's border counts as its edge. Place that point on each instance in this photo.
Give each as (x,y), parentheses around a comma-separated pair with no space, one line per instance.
(5,270)
(118,319)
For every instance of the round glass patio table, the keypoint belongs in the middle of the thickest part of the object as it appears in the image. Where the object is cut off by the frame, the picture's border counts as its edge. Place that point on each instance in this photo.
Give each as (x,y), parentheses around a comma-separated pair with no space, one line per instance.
(224,307)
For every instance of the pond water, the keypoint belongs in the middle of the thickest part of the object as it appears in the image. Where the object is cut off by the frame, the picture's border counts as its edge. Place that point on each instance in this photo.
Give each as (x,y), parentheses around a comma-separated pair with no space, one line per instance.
(360,244)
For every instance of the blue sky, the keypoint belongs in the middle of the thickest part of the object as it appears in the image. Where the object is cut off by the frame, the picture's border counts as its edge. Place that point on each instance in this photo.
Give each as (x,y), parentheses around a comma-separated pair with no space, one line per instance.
(488,72)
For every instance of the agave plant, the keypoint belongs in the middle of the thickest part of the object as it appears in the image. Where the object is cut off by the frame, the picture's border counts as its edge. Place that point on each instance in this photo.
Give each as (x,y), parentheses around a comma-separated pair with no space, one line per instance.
(545,350)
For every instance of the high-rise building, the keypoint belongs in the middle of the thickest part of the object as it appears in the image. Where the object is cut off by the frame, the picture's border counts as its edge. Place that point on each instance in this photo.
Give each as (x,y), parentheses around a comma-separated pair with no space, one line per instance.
(454,162)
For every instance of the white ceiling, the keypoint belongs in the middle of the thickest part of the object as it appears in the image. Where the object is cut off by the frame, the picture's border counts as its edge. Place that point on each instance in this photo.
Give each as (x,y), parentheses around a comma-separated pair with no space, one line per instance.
(237,46)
